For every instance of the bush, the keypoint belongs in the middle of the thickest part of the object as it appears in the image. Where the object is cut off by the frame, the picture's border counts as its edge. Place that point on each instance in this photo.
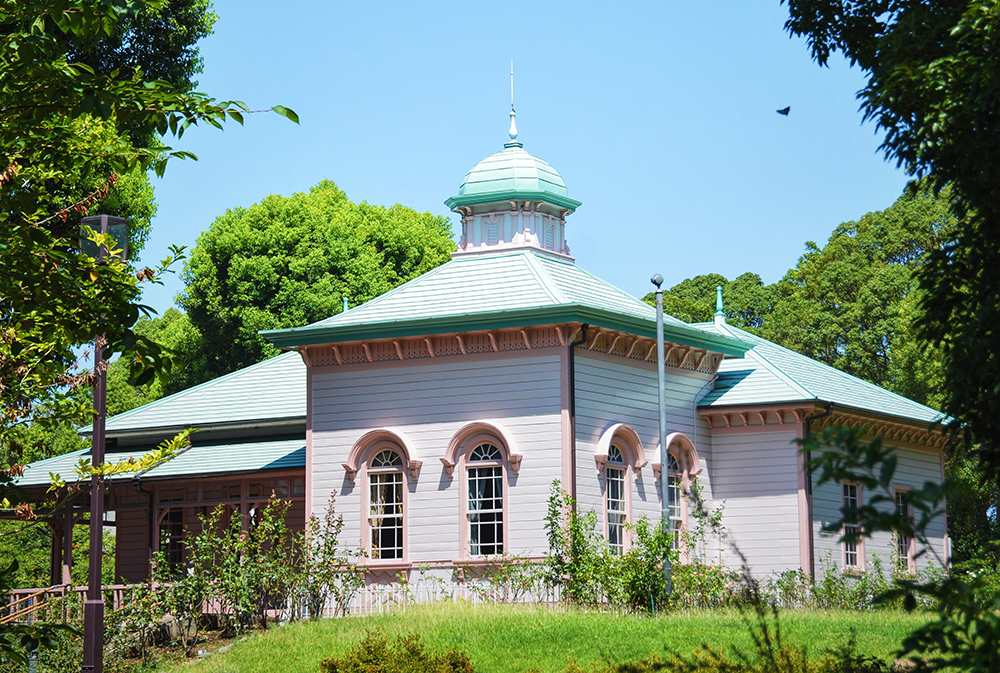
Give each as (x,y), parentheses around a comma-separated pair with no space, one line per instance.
(505,578)
(580,562)
(375,654)
(698,585)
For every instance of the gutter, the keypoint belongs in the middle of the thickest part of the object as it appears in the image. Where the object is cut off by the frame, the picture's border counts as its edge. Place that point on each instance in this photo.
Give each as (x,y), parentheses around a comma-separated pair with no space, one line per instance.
(807,430)
(572,408)
(495,320)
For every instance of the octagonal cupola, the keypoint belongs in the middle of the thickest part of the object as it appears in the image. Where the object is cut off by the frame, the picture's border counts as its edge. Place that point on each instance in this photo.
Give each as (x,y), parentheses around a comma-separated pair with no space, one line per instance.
(513,200)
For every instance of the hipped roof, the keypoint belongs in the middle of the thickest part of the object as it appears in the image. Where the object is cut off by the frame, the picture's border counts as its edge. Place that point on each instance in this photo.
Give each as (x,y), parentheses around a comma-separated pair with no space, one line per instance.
(209,459)
(499,290)
(770,373)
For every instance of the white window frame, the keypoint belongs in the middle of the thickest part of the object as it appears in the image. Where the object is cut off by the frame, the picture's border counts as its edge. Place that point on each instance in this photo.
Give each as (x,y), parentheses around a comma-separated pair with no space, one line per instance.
(382,474)
(905,545)
(853,553)
(675,499)
(474,471)
(616,498)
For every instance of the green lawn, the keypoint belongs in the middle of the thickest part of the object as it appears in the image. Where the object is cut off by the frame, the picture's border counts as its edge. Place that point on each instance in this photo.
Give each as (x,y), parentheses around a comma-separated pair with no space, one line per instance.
(504,639)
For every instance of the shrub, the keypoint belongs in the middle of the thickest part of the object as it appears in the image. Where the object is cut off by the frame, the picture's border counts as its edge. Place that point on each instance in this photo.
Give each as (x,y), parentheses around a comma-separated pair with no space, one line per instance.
(375,654)
(698,585)
(505,578)
(326,571)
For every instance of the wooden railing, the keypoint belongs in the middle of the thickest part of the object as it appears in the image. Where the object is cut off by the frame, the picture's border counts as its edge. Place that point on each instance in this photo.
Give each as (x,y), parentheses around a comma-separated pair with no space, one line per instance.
(25,603)
(372,599)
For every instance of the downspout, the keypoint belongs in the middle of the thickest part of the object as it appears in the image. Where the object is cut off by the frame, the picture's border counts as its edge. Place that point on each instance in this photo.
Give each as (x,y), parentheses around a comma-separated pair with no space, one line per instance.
(807,457)
(572,409)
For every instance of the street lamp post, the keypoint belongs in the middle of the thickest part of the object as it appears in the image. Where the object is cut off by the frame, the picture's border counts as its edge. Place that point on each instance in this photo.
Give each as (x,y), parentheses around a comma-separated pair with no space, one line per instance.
(93,607)
(661,376)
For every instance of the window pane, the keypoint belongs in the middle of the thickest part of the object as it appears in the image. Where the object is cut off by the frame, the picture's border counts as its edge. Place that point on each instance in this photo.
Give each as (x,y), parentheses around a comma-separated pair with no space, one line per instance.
(674,508)
(850,548)
(485,452)
(485,507)
(387,458)
(385,516)
(616,509)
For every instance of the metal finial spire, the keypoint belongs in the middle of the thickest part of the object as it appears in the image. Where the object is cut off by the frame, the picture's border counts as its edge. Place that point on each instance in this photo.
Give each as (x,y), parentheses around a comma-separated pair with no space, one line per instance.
(720,316)
(513,125)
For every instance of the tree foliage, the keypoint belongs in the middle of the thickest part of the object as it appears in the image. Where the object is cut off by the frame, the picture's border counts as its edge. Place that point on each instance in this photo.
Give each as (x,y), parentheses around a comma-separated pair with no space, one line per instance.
(852,303)
(159,41)
(748,302)
(174,332)
(934,88)
(289,261)
(59,123)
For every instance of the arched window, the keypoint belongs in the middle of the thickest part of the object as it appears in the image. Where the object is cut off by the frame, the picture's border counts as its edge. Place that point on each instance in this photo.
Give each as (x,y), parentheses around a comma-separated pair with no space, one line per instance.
(614,474)
(386,491)
(485,502)
(620,460)
(674,476)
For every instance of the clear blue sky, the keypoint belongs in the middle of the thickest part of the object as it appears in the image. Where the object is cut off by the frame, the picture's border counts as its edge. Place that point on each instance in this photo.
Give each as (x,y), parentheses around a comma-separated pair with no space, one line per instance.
(660,116)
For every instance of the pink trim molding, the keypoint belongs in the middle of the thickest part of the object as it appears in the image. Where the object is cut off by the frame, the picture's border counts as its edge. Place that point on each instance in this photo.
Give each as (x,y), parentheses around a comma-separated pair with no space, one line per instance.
(635,458)
(688,455)
(382,435)
(460,439)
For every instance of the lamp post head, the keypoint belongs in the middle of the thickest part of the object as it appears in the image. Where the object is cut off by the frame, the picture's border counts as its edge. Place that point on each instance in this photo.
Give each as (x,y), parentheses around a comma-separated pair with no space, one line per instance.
(105,224)
(656,280)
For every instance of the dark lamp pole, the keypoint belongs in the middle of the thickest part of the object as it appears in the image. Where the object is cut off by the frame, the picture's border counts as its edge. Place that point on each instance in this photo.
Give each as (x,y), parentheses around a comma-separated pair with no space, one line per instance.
(105,224)
(93,607)
(661,377)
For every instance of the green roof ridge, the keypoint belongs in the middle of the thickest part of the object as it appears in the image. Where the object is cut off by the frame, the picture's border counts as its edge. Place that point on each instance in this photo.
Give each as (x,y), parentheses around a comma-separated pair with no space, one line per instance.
(381,298)
(773,368)
(543,278)
(843,375)
(184,393)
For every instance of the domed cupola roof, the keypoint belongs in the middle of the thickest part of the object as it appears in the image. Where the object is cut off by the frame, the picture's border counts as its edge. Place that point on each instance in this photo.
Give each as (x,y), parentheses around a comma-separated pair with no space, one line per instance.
(512,174)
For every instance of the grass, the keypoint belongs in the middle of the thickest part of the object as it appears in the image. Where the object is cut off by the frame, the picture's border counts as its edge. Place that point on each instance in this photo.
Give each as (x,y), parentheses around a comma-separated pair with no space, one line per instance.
(502,639)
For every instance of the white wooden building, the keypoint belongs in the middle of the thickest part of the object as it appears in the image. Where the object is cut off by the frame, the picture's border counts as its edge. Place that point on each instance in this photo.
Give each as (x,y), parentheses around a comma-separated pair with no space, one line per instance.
(442,412)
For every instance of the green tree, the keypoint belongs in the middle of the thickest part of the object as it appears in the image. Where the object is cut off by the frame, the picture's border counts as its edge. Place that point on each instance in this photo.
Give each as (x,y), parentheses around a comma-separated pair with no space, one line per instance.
(747,301)
(289,261)
(159,41)
(933,86)
(58,123)
(851,303)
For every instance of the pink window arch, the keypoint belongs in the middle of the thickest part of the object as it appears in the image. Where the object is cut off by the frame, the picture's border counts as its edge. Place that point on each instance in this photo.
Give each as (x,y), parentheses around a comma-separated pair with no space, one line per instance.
(382,461)
(485,458)
(688,465)
(620,459)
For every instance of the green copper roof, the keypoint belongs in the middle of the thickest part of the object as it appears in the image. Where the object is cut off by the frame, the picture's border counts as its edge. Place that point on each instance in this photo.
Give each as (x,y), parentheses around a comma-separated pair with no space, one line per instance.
(512,174)
(499,290)
(770,373)
(273,389)
(244,457)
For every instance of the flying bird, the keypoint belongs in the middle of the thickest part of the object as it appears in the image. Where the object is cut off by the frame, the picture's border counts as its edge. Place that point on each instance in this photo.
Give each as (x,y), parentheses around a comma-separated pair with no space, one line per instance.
(784,111)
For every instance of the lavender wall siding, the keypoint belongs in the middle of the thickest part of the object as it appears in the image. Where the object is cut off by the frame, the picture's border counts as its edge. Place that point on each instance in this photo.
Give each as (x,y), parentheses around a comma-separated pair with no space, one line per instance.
(915,467)
(610,391)
(755,474)
(429,403)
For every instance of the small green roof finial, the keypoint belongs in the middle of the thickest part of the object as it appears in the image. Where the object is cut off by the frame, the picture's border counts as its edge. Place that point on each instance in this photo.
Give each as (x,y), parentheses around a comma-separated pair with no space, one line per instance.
(720,316)
(513,126)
